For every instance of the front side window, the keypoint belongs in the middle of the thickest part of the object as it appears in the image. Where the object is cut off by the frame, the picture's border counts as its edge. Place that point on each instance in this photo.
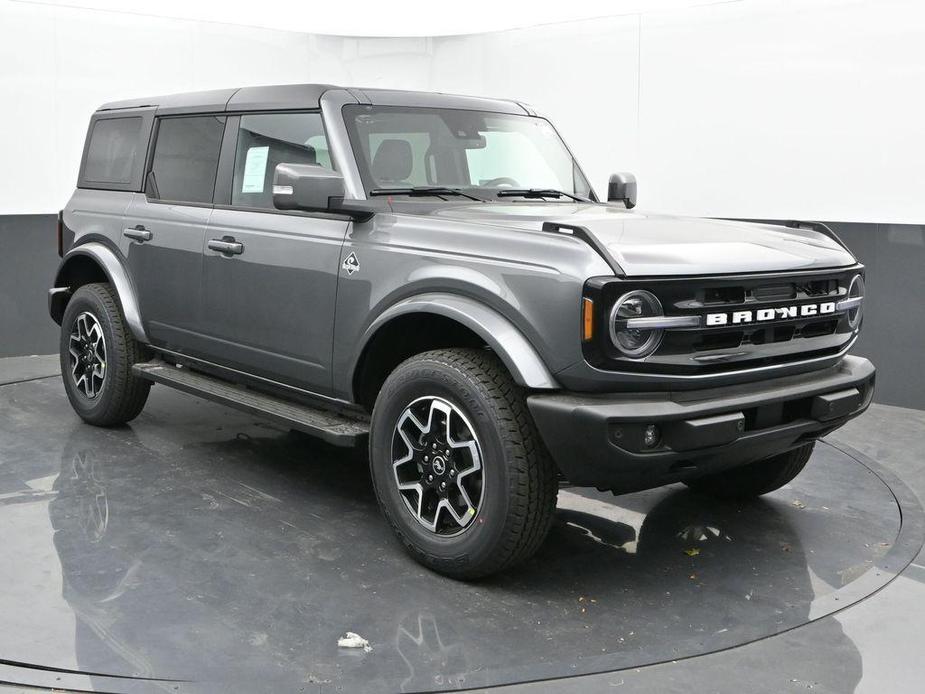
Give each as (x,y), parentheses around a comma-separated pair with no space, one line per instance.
(479,152)
(266,140)
(186,158)
(113,151)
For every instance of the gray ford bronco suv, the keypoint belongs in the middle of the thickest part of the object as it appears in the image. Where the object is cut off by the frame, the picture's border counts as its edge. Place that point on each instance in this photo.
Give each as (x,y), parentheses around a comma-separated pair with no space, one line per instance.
(434,275)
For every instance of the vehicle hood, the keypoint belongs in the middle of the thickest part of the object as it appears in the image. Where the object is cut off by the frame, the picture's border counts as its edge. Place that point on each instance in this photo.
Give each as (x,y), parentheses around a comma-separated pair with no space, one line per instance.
(647,245)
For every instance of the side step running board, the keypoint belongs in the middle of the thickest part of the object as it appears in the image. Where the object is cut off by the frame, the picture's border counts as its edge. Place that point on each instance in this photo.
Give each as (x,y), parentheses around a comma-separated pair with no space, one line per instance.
(333,427)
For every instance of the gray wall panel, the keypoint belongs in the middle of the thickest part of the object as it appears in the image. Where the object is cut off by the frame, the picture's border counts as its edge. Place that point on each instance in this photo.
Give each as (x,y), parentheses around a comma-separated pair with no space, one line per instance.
(28,258)
(893,336)
(894,323)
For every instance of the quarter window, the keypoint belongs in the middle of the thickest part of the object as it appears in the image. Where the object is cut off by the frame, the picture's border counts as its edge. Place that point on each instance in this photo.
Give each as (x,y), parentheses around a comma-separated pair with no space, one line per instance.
(186,158)
(266,140)
(113,151)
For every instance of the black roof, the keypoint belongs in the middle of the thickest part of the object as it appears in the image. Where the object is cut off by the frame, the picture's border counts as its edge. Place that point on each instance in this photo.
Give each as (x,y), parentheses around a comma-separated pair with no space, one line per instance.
(298,96)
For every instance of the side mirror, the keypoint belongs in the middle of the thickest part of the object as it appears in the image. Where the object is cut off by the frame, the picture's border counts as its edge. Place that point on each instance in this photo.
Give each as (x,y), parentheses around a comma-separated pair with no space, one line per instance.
(307,187)
(622,188)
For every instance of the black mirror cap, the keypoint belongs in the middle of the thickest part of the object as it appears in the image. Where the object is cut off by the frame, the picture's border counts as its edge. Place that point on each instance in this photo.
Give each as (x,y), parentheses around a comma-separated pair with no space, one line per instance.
(622,188)
(306,187)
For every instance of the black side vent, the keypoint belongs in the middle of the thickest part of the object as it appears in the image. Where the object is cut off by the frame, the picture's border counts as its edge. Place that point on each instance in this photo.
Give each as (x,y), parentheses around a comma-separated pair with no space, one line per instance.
(783,334)
(820,287)
(763,336)
(719,340)
(822,327)
(724,295)
(777,292)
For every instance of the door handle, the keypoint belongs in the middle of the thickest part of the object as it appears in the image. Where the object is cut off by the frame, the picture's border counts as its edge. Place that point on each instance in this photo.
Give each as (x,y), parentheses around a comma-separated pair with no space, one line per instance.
(137,233)
(226,245)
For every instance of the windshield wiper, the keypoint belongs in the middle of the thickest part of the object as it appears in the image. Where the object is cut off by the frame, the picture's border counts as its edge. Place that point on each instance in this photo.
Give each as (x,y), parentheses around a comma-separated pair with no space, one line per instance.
(421,191)
(537,193)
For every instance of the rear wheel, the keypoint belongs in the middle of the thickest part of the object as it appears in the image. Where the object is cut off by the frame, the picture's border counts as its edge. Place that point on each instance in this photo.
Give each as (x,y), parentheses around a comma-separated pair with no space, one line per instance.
(457,464)
(97,353)
(755,479)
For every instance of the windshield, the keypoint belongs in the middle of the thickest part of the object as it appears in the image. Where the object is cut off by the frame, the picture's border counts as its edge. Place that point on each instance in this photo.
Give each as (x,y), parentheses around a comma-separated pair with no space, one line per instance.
(406,150)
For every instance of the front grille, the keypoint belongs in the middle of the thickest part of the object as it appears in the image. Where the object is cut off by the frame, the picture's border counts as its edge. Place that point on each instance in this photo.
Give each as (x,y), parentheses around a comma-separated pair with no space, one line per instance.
(735,345)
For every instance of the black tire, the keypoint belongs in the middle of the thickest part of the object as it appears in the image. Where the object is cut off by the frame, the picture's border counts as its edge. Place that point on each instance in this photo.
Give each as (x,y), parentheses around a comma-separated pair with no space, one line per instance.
(518,493)
(755,479)
(121,395)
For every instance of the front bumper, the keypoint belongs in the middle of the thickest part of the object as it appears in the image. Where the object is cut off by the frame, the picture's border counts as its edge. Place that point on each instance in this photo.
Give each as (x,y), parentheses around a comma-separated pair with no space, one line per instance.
(598,439)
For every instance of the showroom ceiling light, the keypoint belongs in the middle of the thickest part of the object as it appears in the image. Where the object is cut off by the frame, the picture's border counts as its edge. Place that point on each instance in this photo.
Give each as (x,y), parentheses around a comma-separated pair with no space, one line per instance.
(368,18)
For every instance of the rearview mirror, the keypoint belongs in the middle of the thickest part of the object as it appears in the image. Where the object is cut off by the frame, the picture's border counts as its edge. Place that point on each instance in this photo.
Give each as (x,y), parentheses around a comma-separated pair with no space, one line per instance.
(622,188)
(307,187)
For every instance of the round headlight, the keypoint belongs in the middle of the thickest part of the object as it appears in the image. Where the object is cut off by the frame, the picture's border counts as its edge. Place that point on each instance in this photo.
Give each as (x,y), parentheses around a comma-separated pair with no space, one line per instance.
(632,340)
(856,291)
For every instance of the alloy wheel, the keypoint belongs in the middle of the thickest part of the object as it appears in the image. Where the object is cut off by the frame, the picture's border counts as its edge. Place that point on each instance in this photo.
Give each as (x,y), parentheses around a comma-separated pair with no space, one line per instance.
(437,465)
(87,350)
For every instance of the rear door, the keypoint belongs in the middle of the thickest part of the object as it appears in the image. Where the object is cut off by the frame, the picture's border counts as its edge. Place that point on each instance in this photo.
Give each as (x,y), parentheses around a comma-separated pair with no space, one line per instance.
(164,229)
(269,276)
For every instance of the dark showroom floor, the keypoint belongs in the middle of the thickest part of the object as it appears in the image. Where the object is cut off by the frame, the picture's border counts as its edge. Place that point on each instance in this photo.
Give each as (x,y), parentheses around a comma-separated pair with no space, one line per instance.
(202,550)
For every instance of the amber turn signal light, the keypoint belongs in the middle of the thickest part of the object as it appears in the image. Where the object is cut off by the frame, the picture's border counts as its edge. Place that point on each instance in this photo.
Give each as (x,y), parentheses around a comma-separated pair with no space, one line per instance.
(587,319)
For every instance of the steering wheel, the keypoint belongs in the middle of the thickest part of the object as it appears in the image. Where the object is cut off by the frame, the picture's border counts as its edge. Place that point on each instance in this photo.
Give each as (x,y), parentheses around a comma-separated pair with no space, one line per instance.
(501,181)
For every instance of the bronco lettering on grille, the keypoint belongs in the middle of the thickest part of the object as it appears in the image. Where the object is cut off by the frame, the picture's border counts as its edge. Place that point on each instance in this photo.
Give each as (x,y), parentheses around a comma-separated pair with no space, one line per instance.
(770,314)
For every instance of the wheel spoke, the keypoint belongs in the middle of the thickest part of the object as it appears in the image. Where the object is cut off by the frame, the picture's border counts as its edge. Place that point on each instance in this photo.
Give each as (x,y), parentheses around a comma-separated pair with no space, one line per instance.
(452,511)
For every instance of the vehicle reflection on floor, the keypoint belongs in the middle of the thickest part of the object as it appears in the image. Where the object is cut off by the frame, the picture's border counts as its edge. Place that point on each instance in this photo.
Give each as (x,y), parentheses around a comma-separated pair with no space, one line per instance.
(227,551)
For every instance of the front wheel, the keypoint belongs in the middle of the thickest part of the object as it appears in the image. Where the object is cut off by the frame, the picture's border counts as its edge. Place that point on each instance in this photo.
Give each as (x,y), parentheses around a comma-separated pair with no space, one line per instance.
(97,353)
(755,479)
(457,464)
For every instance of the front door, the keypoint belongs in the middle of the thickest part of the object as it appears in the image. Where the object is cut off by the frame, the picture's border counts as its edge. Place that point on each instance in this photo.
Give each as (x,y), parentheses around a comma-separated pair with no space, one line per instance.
(164,229)
(269,277)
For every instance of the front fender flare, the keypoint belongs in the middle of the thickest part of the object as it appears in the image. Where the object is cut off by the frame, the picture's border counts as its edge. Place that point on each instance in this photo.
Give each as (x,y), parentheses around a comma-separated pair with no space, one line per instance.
(520,357)
(118,277)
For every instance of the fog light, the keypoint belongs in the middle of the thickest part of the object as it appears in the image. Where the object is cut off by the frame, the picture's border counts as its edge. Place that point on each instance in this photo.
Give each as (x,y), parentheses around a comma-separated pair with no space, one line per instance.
(651,436)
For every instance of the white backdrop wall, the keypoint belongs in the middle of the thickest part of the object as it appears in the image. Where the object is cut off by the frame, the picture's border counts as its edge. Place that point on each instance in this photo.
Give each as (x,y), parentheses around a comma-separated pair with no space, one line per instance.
(757,109)
(58,65)
(760,108)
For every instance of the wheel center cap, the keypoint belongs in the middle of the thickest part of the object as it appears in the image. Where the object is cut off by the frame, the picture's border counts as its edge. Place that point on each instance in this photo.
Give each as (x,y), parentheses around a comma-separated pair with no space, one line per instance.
(439,465)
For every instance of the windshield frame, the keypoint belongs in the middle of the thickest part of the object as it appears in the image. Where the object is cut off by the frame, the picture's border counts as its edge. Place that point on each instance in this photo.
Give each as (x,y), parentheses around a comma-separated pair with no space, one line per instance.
(363,165)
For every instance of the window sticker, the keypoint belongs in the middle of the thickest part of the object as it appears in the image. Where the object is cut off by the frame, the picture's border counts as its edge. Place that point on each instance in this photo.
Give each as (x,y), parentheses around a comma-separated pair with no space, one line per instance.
(255,169)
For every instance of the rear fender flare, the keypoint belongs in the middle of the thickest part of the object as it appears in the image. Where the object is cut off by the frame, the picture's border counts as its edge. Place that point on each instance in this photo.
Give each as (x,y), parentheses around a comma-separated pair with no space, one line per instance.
(116,274)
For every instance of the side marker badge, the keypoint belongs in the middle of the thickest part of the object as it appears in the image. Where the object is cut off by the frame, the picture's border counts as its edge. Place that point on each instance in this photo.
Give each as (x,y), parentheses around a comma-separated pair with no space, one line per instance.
(351,264)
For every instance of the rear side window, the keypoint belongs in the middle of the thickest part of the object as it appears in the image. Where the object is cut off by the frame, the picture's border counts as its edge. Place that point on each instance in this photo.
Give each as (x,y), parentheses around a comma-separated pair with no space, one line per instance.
(266,140)
(186,158)
(113,151)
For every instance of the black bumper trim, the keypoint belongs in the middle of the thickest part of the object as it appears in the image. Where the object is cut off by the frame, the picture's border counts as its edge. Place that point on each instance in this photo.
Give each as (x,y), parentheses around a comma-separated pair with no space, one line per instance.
(598,439)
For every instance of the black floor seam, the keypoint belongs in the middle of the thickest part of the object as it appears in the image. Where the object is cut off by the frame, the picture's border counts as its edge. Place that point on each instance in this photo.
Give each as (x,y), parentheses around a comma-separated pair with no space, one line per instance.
(27,380)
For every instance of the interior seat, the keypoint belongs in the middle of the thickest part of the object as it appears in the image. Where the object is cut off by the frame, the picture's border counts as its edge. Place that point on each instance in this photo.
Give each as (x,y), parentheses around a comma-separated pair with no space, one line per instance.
(392,163)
